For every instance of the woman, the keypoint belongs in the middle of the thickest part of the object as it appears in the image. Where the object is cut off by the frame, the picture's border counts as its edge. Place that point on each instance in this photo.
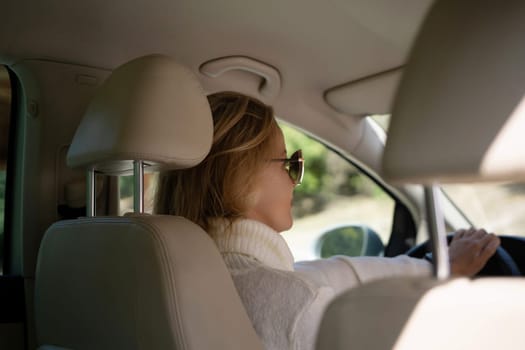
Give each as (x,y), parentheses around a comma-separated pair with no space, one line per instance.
(241,194)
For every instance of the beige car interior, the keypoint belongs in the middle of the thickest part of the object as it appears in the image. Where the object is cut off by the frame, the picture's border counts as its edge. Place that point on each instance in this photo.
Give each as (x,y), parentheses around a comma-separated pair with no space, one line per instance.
(432,118)
(152,282)
(139,281)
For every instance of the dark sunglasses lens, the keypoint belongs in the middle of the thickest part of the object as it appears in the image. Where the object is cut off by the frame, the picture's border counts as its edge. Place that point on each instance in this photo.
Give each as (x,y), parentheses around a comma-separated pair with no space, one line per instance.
(292,171)
(296,167)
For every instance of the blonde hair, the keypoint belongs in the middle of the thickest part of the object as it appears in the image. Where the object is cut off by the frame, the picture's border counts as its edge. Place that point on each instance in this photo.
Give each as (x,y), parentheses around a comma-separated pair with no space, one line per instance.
(220,186)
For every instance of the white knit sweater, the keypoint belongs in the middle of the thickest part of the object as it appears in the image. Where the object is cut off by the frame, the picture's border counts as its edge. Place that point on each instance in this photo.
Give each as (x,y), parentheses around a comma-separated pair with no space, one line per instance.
(285,301)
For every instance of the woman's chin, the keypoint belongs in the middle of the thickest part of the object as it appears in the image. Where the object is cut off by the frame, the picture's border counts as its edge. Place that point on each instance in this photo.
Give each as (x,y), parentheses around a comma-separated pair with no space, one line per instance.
(287,226)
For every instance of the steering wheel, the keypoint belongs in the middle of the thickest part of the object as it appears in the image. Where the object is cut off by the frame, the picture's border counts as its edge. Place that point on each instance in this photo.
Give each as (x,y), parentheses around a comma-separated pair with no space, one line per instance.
(500,264)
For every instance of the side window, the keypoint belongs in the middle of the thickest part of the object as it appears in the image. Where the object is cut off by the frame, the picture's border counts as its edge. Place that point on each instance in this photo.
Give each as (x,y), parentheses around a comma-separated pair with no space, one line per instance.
(337,209)
(126,193)
(5,107)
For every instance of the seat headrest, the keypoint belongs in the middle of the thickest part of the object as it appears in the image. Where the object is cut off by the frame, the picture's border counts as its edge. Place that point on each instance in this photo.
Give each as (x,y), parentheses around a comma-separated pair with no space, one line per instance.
(459,113)
(151,109)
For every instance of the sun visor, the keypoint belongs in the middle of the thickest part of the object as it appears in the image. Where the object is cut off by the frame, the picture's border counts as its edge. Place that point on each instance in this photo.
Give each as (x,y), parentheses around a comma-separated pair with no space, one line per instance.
(459,114)
(372,95)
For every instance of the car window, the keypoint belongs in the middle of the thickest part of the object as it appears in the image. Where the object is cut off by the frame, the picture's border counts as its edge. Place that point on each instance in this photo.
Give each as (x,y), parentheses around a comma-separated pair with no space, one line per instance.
(383,120)
(337,209)
(5,107)
(497,207)
(126,193)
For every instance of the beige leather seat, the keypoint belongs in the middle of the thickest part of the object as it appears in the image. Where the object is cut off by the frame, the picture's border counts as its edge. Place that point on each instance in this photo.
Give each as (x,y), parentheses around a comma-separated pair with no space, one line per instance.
(408,313)
(458,116)
(139,281)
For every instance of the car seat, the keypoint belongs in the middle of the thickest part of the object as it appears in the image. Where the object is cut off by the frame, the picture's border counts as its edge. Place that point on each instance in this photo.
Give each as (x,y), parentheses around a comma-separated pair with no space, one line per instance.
(138,281)
(456,117)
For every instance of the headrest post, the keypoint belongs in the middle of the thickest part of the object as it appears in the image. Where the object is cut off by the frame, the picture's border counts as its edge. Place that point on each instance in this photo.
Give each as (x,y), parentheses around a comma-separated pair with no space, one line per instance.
(90,193)
(138,186)
(436,229)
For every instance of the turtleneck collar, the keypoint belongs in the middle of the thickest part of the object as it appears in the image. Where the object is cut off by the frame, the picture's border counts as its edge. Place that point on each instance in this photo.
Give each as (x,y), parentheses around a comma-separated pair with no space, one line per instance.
(252,238)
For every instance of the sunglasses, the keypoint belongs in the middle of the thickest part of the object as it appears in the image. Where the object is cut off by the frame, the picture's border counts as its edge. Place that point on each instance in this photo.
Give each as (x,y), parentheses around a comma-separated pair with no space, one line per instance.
(294,165)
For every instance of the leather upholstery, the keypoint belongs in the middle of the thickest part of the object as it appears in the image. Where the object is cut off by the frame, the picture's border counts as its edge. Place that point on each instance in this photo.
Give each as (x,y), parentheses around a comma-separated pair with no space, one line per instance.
(151,109)
(422,313)
(136,282)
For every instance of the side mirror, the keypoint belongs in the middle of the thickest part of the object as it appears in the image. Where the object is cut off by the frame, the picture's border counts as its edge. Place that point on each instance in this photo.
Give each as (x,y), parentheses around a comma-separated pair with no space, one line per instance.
(350,240)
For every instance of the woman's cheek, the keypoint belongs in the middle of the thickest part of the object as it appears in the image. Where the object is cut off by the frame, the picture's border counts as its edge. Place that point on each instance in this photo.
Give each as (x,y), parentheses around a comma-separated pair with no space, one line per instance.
(252,198)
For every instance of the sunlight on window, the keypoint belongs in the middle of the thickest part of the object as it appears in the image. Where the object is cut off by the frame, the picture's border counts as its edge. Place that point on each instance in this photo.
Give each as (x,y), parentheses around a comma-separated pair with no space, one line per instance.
(382,119)
(497,207)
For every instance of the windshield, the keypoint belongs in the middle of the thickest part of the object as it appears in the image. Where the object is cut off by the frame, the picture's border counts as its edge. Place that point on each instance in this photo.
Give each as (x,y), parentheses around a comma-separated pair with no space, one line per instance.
(497,207)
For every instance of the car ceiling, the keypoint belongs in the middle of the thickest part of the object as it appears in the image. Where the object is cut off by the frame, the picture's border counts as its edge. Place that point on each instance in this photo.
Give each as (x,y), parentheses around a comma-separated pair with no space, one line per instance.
(315,45)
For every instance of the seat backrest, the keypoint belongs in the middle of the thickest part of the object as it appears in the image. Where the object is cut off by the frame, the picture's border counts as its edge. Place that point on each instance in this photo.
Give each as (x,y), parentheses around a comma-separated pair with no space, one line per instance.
(139,281)
(408,313)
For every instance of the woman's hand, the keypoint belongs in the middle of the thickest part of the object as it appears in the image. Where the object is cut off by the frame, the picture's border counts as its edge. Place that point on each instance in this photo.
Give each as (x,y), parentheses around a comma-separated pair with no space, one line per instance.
(469,251)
